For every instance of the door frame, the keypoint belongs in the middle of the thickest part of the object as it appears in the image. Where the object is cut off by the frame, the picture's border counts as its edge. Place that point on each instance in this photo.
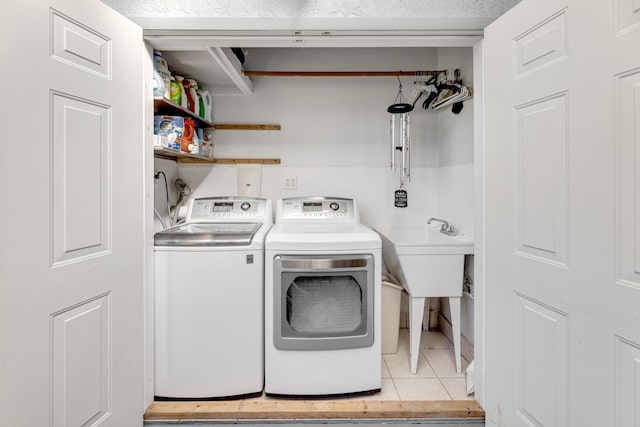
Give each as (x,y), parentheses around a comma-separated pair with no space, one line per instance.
(193,39)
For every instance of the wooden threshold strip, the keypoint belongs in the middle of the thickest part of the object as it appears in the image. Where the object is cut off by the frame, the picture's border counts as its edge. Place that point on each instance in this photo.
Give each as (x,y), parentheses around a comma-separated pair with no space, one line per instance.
(313,409)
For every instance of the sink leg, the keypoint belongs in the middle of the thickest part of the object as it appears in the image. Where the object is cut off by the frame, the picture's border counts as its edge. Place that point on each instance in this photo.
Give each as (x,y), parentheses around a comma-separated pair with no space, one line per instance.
(426,317)
(416,311)
(454,305)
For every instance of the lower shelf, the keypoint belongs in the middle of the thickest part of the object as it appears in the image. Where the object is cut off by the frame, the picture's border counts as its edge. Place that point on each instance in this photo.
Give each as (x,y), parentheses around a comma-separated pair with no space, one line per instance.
(181,157)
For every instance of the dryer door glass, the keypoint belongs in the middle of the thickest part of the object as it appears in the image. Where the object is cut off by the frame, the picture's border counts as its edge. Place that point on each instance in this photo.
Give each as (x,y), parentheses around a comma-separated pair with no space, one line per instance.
(325,305)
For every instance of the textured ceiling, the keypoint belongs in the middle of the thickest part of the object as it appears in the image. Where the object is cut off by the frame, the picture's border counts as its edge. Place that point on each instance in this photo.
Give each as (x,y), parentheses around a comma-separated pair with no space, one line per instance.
(313,8)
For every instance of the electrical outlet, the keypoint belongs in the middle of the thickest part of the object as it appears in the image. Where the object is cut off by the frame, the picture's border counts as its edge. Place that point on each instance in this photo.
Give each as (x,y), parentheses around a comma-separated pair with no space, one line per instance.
(291,183)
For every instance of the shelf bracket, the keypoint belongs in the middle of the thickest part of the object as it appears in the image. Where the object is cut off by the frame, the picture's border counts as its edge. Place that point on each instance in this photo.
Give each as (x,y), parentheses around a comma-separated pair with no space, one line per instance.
(224,58)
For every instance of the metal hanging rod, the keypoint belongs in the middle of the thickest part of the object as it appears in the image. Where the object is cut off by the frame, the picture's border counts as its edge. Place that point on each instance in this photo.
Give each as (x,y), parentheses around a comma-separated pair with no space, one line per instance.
(342,73)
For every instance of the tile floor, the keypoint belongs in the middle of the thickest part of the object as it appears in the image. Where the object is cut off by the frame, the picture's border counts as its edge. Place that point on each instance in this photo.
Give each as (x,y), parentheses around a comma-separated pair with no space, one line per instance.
(436,378)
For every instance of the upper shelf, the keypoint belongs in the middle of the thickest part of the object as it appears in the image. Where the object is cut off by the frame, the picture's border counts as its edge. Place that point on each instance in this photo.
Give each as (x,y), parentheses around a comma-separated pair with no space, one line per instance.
(216,69)
(163,106)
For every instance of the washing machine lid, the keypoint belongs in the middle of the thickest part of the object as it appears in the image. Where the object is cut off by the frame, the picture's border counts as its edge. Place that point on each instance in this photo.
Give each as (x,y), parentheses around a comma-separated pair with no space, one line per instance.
(208,234)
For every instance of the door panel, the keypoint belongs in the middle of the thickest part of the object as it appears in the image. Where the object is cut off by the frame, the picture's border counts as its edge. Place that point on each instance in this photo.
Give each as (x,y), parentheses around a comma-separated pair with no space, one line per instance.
(541,193)
(561,161)
(627,383)
(542,45)
(627,15)
(628,179)
(81,151)
(80,46)
(71,262)
(541,363)
(81,359)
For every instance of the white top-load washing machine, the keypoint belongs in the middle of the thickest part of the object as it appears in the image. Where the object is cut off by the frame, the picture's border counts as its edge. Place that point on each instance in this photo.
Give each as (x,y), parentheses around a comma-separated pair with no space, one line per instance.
(209,282)
(322,300)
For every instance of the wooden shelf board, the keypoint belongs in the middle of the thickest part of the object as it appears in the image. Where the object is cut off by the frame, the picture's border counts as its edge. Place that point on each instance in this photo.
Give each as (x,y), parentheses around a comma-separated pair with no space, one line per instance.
(247,126)
(167,153)
(181,157)
(266,408)
(231,161)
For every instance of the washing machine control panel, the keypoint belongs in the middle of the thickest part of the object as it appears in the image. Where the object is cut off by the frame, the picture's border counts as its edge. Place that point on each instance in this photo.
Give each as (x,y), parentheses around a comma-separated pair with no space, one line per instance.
(317,208)
(214,208)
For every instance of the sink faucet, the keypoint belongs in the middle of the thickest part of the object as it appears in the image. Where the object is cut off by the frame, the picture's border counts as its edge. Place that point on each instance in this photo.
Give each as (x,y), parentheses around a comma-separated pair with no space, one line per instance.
(447,229)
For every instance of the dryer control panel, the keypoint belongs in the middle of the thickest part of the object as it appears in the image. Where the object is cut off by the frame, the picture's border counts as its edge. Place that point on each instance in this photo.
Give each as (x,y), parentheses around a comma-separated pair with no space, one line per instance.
(317,208)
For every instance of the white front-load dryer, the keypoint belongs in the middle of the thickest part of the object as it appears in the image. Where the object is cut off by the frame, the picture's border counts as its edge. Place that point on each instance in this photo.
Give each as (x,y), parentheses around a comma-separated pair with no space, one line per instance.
(209,319)
(322,300)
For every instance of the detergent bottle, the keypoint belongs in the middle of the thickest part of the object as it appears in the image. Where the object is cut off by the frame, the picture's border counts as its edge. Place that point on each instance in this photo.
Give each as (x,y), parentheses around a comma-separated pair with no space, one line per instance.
(161,67)
(158,85)
(175,94)
(184,102)
(200,102)
(187,137)
(207,100)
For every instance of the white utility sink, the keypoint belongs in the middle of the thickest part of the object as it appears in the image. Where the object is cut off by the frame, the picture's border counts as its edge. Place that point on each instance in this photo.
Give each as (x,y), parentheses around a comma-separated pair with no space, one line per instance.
(428,264)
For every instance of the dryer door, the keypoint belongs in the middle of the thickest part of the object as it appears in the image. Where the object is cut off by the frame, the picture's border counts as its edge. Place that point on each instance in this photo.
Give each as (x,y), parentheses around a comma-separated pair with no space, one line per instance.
(323,302)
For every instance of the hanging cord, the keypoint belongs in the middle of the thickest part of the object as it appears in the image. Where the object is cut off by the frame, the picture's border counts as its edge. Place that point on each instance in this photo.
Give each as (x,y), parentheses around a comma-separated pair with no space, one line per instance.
(164,226)
(400,104)
(400,99)
(166,192)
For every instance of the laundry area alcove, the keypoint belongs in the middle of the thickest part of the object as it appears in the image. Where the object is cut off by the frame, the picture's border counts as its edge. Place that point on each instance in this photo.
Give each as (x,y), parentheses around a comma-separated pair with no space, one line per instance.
(307,113)
(330,104)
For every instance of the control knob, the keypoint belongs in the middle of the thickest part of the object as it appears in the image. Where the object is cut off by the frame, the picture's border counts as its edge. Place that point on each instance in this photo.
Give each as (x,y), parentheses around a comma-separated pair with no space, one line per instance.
(245,206)
(334,206)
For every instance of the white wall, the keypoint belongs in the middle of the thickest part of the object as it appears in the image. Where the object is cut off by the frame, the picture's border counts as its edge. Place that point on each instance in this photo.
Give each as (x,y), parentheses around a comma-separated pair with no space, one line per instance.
(456,172)
(335,132)
(455,149)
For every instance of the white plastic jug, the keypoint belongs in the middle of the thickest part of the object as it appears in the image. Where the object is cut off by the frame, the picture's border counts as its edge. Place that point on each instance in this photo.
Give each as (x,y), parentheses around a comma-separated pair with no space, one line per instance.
(207,99)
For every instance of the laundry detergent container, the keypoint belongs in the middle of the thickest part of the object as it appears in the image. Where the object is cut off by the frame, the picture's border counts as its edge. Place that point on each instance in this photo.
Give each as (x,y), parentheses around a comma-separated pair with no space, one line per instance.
(391,294)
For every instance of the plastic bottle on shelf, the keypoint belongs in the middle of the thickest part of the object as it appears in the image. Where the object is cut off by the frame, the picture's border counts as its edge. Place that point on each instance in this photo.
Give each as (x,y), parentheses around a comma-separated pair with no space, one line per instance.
(158,84)
(201,141)
(183,95)
(175,94)
(187,137)
(197,142)
(207,100)
(193,92)
(208,138)
(160,65)
(200,102)
(187,95)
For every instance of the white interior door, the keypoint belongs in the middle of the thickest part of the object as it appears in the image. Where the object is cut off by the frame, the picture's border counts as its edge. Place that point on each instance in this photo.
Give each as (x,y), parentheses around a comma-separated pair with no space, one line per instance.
(562,165)
(71,252)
